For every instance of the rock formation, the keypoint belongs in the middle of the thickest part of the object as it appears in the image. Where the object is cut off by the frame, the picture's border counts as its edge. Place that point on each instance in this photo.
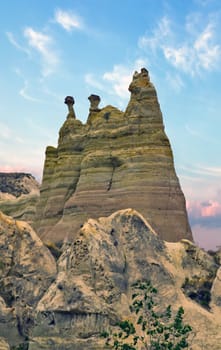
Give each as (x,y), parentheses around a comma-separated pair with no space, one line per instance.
(17,184)
(19,194)
(26,271)
(115,161)
(66,305)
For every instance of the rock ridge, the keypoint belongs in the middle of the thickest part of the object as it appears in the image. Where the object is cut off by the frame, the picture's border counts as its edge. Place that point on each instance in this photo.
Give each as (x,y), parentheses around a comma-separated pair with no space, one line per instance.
(66,304)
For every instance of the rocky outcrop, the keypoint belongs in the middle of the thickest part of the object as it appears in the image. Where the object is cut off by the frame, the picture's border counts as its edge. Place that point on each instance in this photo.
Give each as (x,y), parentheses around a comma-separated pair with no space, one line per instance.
(16,184)
(26,271)
(19,194)
(68,307)
(115,161)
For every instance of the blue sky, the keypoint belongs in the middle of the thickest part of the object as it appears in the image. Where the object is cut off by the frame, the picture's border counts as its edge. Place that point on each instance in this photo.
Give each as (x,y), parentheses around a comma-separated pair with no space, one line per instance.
(50,49)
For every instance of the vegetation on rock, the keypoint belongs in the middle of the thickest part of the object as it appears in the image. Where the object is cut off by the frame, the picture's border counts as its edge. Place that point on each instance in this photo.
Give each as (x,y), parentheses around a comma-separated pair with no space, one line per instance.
(153,329)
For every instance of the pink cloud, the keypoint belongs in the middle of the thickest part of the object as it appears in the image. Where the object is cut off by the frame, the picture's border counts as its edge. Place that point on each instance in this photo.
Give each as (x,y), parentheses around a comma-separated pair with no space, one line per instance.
(212,209)
(205,220)
(204,209)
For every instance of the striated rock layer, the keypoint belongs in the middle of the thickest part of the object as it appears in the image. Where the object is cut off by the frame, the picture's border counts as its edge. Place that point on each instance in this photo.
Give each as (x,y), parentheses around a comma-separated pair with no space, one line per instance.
(66,304)
(117,160)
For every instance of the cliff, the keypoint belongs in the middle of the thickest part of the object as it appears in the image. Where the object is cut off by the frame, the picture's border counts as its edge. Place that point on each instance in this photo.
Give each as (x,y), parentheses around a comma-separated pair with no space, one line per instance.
(66,304)
(117,160)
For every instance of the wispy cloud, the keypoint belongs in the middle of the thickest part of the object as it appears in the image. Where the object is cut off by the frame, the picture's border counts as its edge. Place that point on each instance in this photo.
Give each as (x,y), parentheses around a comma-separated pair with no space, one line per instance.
(91,80)
(68,20)
(24,90)
(202,170)
(158,36)
(14,42)
(199,51)
(116,81)
(43,44)
(175,81)
(120,77)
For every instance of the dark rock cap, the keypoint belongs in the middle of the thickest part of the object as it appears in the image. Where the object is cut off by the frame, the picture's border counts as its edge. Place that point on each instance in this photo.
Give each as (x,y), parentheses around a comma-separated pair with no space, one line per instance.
(69,100)
(93,97)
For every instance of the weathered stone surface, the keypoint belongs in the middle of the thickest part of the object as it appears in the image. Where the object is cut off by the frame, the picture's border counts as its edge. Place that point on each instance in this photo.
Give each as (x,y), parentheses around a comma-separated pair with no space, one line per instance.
(117,160)
(4,345)
(91,289)
(19,194)
(17,184)
(26,271)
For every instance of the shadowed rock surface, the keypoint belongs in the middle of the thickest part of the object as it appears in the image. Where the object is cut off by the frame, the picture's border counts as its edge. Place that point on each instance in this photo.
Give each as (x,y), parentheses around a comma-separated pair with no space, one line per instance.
(65,305)
(17,184)
(117,160)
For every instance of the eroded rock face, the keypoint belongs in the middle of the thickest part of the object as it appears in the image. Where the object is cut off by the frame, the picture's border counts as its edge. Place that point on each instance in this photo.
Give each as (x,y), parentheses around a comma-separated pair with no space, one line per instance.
(90,291)
(117,160)
(19,194)
(26,271)
(17,184)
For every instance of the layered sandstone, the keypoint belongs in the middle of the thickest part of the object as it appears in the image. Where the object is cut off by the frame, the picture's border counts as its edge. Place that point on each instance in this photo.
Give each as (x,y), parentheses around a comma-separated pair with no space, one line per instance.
(115,161)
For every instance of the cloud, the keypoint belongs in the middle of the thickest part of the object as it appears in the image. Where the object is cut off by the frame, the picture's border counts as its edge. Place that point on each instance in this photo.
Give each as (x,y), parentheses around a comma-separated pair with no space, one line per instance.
(24,90)
(120,77)
(175,81)
(198,51)
(162,31)
(13,41)
(116,81)
(207,171)
(92,81)
(42,43)
(206,214)
(25,95)
(68,20)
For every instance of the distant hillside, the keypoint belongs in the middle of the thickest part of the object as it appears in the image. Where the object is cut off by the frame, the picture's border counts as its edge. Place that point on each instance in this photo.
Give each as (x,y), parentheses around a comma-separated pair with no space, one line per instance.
(19,194)
(17,184)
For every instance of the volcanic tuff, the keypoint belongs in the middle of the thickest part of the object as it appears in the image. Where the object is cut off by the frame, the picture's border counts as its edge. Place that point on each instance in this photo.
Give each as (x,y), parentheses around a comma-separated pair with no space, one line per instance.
(116,160)
(65,305)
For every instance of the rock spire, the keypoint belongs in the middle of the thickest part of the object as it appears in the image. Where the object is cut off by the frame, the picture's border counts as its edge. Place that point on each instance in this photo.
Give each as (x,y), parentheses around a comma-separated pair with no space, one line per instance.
(117,160)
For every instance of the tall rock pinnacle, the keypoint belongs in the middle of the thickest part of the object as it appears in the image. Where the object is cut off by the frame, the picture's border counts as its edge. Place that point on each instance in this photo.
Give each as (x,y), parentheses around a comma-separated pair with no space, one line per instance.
(115,161)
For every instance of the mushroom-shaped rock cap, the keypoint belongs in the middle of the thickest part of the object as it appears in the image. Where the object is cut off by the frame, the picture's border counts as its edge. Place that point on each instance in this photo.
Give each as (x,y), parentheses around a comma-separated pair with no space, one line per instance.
(94,98)
(69,100)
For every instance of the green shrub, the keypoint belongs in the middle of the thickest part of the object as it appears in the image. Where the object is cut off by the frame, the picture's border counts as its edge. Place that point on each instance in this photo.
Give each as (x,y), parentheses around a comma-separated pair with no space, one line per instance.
(153,330)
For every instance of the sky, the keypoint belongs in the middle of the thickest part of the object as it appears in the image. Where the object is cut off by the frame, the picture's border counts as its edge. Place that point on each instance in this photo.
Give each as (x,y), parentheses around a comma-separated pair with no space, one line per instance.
(51,49)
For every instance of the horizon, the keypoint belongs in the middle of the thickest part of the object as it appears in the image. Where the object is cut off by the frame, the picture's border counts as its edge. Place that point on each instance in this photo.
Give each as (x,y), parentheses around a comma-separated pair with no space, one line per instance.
(77,48)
